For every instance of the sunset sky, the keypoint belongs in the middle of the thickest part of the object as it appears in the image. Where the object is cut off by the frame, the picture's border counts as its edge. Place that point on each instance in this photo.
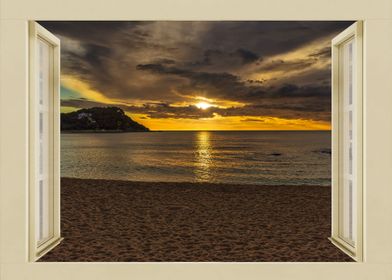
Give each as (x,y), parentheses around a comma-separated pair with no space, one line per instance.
(201,75)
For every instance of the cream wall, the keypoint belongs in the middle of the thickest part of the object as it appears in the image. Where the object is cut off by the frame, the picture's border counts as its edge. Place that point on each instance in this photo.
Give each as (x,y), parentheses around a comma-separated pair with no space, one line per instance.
(377,16)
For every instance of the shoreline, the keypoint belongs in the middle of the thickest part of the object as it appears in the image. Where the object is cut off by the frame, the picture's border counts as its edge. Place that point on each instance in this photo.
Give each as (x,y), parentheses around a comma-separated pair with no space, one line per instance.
(194,184)
(110,221)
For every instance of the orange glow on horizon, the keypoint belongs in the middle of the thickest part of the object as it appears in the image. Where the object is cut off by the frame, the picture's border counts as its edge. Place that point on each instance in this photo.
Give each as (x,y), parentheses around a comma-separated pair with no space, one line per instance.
(217,122)
(229,123)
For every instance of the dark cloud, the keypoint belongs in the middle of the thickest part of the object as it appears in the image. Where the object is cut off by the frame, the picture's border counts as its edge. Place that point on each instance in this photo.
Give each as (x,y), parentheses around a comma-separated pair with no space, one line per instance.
(281,65)
(220,83)
(94,32)
(210,56)
(270,37)
(221,58)
(158,63)
(247,56)
(323,53)
(253,120)
(231,87)
(165,61)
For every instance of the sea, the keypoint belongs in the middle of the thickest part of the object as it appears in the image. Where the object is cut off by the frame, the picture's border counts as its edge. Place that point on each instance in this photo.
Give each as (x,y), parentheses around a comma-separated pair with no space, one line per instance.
(234,157)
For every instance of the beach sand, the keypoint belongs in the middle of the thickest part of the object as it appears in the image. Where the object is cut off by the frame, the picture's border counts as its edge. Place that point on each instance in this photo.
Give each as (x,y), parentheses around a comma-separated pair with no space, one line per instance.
(113,221)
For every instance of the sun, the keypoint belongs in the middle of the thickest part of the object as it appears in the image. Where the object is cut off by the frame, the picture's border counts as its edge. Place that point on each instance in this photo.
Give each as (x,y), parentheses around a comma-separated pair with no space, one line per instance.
(203,105)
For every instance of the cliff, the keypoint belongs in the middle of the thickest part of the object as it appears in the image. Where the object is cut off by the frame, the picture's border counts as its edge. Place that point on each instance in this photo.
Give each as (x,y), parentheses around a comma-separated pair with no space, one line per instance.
(100,119)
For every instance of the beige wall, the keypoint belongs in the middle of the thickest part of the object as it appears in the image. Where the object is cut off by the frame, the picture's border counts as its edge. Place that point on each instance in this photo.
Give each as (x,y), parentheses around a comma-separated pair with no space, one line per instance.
(377,16)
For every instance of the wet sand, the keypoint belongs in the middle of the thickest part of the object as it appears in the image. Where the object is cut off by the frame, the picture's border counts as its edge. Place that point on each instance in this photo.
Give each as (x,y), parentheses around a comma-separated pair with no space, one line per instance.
(122,221)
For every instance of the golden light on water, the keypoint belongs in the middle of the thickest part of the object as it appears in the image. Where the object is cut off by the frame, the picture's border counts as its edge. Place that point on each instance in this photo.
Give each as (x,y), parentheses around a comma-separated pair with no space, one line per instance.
(203,156)
(203,105)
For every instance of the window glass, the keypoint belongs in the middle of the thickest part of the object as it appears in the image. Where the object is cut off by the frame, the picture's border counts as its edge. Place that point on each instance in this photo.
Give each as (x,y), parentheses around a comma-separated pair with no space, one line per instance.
(347,204)
(43,193)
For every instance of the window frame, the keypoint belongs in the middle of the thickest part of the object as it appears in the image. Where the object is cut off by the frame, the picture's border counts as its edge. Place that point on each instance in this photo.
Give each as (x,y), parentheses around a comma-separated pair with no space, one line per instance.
(37,32)
(352,32)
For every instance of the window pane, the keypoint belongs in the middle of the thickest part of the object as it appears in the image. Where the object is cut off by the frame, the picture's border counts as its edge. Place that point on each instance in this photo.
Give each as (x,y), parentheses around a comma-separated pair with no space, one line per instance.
(347,203)
(43,196)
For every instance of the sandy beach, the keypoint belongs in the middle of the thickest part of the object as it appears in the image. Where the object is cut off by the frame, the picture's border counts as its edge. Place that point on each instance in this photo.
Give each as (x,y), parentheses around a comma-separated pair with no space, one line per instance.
(113,221)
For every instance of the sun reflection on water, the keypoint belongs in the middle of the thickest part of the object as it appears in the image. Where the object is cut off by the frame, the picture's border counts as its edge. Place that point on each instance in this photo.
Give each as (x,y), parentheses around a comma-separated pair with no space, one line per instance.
(203,156)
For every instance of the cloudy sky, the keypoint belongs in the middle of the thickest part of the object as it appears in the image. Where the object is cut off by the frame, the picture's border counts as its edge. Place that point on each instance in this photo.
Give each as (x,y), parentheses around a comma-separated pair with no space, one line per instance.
(201,75)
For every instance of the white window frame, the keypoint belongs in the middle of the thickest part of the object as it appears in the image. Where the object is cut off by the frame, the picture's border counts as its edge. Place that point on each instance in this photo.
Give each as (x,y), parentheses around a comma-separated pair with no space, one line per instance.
(353,32)
(37,32)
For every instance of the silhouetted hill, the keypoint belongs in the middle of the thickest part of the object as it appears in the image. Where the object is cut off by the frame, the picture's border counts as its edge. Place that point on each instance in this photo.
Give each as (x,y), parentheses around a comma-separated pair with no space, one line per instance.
(100,119)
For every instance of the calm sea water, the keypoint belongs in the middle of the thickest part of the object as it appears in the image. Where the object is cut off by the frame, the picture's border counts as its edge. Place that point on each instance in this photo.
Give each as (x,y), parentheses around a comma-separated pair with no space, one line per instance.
(272,158)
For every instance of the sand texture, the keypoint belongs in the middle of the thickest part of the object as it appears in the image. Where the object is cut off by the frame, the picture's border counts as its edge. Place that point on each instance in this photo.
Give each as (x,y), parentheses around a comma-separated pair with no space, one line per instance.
(112,221)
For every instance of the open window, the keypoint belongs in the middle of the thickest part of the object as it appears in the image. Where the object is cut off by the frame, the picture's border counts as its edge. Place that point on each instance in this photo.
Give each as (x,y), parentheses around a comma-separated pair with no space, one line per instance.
(44,185)
(346,141)
(347,228)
